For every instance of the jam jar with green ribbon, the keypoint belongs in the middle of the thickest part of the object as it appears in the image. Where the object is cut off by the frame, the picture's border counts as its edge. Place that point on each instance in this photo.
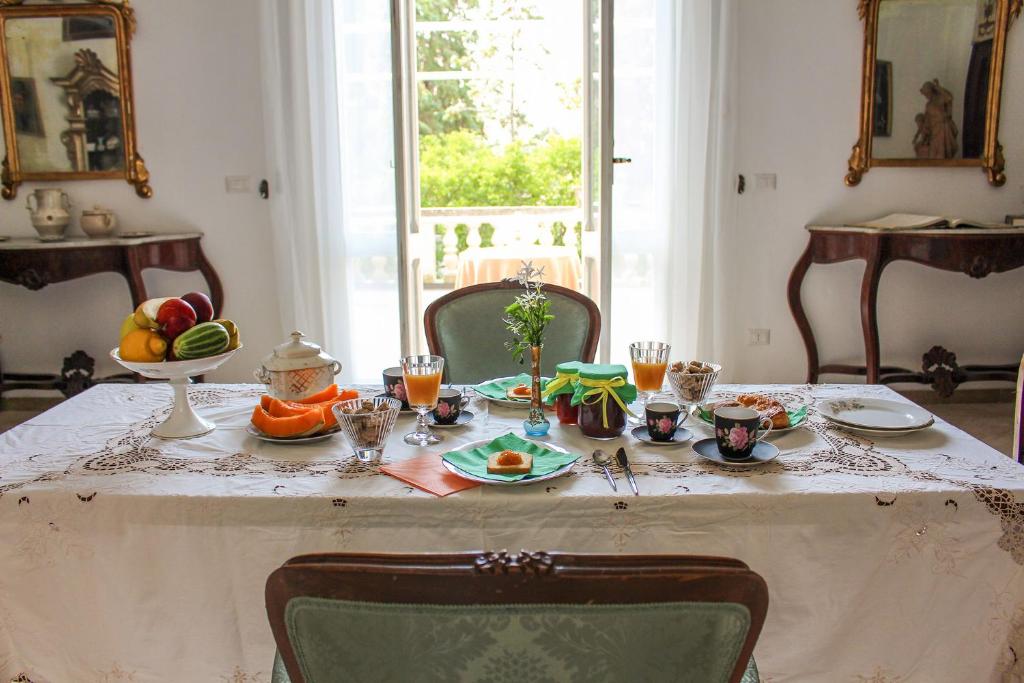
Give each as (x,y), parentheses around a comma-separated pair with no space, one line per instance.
(560,390)
(603,396)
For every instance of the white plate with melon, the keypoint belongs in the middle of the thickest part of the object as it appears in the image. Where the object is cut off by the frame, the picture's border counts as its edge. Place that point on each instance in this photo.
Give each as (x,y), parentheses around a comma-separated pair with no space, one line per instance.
(298,422)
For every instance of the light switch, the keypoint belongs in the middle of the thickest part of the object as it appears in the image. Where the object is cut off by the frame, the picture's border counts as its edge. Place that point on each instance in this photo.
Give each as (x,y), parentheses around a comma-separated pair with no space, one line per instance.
(759,337)
(236,183)
(764,181)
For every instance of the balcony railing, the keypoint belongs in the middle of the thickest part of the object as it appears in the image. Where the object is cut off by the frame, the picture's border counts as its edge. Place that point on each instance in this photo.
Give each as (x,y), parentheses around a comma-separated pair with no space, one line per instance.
(455,229)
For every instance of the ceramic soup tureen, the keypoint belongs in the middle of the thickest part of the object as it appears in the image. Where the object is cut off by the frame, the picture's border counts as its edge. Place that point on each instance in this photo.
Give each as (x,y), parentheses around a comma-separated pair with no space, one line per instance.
(297,369)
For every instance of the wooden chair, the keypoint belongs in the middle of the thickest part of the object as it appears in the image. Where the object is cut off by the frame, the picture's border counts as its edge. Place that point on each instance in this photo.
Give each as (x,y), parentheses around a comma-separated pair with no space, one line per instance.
(1018,417)
(462,616)
(465,326)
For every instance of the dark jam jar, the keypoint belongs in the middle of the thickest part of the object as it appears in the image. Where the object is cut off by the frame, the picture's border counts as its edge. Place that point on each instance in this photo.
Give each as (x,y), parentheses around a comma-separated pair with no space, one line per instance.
(567,413)
(566,375)
(595,412)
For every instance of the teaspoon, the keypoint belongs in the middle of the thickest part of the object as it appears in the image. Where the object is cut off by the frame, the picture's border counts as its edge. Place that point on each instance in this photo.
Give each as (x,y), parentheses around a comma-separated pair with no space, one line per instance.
(602,459)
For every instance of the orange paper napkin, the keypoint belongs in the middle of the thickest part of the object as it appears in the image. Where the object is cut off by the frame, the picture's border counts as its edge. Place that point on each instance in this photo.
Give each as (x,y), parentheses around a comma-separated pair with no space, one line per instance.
(427,473)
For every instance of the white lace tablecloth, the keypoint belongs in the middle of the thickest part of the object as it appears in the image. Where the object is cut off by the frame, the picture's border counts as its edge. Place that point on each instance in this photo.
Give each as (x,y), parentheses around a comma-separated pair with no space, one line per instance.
(127,558)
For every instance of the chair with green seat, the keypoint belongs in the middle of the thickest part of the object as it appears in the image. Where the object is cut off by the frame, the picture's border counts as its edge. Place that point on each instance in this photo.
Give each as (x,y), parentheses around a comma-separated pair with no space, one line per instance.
(465,326)
(515,616)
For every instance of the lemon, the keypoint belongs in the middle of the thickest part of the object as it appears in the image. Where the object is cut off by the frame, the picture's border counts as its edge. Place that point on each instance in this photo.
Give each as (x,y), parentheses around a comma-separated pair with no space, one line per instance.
(143,346)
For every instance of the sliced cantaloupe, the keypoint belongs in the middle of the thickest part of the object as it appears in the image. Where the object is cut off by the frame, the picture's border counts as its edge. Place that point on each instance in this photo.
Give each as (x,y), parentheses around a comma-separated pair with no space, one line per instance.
(278,408)
(304,424)
(321,396)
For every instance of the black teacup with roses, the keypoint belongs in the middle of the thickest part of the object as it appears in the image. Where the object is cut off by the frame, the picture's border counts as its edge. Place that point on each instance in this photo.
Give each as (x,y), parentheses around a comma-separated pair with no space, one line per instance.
(450,403)
(394,386)
(662,420)
(737,431)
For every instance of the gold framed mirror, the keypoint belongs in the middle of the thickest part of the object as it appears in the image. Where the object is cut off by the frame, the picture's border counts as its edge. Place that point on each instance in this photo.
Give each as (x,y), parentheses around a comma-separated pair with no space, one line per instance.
(66,94)
(931,85)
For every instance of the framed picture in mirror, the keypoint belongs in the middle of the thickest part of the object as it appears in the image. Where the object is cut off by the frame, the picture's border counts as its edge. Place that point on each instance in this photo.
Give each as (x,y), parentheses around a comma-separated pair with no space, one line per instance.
(931,85)
(66,90)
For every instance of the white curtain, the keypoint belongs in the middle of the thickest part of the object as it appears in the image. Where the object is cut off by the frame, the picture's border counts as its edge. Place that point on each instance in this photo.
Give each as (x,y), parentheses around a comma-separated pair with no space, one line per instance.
(673,202)
(327,103)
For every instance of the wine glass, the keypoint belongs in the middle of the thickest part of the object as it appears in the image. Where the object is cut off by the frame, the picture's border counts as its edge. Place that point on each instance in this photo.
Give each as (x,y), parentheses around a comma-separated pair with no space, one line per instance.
(422,378)
(650,360)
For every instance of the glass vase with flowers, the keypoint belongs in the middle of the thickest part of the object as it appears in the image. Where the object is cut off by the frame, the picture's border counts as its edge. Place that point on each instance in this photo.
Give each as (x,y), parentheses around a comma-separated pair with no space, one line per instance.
(527,318)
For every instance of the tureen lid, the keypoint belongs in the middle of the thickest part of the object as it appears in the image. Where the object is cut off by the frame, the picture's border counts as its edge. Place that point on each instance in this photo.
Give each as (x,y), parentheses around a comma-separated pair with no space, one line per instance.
(296,355)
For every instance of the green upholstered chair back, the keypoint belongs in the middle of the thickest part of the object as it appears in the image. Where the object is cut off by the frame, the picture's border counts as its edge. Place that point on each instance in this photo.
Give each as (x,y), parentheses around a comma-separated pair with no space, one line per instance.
(530,616)
(465,326)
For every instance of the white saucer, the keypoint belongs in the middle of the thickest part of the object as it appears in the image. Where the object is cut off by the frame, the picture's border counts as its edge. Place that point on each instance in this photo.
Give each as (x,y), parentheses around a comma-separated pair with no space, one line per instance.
(763,452)
(253,432)
(682,435)
(464,418)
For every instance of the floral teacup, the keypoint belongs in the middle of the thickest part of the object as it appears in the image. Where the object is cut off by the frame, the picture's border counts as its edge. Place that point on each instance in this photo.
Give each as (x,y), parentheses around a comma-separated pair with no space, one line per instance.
(450,403)
(394,386)
(663,420)
(737,431)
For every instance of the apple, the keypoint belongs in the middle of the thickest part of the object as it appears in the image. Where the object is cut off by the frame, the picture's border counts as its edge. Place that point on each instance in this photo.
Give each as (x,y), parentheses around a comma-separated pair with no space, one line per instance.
(174,317)
(145,314)
(202,305)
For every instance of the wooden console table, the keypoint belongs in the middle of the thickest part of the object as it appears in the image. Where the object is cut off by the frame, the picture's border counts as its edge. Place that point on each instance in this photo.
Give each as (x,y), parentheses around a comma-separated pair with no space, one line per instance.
(34,264)
(974,252)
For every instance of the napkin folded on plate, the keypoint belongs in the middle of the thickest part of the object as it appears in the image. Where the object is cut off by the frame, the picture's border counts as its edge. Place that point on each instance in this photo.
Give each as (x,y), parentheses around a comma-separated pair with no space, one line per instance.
(474,461)
(496,388)
(428,474)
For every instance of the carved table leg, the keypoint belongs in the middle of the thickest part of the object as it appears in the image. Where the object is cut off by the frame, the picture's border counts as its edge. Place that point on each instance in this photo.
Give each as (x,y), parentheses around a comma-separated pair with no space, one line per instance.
(869,309)
(77,374)
(133,273)
(796,281)
(213,282)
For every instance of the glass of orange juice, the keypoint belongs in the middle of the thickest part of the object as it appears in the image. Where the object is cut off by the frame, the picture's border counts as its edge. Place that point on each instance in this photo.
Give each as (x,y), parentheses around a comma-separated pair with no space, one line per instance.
(422,378)
(650,360)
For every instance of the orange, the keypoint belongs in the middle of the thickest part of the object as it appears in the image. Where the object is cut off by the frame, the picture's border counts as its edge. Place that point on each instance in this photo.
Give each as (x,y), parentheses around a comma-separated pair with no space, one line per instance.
(143,346)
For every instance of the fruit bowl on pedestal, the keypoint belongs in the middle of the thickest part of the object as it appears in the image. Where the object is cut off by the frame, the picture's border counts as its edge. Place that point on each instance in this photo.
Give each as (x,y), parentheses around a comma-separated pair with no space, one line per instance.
(183,422)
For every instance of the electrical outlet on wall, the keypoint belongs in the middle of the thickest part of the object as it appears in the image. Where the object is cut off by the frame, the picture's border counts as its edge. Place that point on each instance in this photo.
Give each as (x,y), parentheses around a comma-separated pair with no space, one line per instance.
(759,336)
(765,181)
(236,183)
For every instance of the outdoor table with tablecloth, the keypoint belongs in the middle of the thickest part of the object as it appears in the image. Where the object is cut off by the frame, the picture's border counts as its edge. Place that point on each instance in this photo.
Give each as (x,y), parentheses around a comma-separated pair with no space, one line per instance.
(491,264)
(128,558)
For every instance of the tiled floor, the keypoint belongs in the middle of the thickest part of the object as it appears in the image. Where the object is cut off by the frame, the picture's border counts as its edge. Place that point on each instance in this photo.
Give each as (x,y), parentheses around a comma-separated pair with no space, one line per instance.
(989,422)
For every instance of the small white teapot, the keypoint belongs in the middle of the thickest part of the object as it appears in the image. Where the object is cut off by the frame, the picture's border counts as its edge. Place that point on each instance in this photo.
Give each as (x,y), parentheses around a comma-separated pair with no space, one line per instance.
(98,222)
(297,369)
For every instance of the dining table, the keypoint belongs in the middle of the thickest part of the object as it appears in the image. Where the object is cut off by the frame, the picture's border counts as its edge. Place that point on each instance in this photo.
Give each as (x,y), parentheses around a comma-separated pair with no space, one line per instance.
(133,558)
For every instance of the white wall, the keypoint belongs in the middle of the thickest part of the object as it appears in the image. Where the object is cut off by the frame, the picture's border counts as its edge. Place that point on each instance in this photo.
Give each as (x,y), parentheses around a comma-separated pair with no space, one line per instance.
(800,63)
(199,117)
(198,98)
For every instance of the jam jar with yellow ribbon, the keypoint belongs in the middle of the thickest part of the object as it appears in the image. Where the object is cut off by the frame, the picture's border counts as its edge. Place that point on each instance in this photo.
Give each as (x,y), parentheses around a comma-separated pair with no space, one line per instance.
(560,390)
(603,396)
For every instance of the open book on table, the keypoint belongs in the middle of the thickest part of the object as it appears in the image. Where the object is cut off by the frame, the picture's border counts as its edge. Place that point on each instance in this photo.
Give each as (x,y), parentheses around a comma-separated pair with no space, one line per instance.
(910,221)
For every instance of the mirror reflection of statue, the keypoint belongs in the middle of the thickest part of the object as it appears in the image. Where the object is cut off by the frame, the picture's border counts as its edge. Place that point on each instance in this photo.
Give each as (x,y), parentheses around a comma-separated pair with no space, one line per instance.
(94,134)
(937,133)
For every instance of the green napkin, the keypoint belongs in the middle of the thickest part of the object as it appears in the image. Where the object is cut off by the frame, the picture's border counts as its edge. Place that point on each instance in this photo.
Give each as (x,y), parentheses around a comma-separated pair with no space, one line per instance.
(496,387)
(474,461)
(795,416)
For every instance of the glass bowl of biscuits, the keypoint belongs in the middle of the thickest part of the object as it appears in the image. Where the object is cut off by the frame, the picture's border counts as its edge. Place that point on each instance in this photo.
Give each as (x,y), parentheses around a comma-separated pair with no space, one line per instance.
(367,424)
(692,381)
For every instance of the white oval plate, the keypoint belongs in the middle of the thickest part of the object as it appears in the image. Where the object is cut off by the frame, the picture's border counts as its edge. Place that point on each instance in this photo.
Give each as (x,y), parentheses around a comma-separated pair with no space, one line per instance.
(257,434)
(875,413)
(891,433)
(521,482)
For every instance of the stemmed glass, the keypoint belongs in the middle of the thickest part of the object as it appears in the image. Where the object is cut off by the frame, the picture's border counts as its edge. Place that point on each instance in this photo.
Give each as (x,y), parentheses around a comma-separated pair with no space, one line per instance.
(422,377)
(650,360)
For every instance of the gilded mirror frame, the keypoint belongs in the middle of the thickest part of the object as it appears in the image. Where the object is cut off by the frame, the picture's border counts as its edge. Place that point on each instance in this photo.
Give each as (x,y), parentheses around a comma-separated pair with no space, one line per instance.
(991,159)
(134,171)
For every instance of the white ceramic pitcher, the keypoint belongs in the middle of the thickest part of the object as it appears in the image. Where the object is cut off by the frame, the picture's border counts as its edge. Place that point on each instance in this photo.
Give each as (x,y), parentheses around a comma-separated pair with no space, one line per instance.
(51,213)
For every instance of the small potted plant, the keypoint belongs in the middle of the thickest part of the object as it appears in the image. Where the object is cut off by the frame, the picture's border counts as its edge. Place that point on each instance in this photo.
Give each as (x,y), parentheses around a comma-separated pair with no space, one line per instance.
(526,318)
